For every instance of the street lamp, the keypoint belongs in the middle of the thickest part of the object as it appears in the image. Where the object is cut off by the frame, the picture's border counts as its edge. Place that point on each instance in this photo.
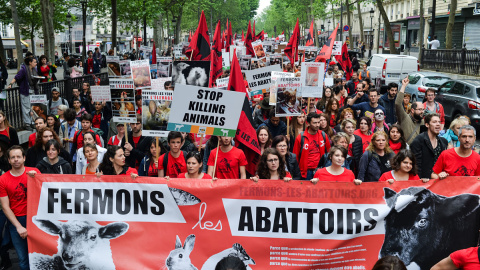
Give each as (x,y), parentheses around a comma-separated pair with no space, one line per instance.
(174,22)
(71,47)
(84,21)
(371,32)
(328,31)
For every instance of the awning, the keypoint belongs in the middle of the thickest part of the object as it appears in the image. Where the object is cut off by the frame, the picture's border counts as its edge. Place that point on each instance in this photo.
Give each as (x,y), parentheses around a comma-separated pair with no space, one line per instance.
(9,43)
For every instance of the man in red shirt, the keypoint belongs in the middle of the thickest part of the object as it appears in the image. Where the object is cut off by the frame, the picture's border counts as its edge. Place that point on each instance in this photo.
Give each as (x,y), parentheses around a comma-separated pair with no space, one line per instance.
(176,163)
(310,146)
(431,106)
(465,259)
(459,161)
(231,161)
(39,124)
(13,196)
(78,137)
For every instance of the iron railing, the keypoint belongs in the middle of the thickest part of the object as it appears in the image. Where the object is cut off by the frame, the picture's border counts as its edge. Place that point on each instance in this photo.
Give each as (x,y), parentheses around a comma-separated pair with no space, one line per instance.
(465,62)
(12,105)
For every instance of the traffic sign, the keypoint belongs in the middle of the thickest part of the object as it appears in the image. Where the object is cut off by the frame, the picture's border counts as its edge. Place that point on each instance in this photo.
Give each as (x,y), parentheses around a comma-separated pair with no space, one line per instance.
(346,28)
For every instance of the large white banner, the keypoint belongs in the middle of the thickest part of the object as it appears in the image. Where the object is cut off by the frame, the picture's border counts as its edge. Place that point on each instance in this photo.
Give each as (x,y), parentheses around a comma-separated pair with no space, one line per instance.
(312,79)
(260,79)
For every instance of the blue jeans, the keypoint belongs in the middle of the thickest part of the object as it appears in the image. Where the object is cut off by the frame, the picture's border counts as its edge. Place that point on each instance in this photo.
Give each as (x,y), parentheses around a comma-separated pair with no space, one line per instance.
(310,174)
(19,243)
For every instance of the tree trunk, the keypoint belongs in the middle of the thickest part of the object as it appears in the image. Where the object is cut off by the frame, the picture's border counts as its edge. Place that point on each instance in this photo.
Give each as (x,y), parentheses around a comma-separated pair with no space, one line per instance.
(349,23)
(51,33)
(114,24)
(32,38)
(451,22)
(388,28)
(16,27)
(360,21)
(2,50)
(84,22)
(421,32)
(44,9)
(178,24)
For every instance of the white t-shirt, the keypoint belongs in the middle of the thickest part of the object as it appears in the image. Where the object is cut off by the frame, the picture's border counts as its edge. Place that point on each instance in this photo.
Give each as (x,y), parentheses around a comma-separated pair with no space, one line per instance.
(435,44)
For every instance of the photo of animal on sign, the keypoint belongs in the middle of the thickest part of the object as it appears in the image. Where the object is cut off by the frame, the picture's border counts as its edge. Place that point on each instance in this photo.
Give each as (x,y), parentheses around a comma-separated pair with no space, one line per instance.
(123,100)
(289,97)
(156,112)
(191,73)
(141,73)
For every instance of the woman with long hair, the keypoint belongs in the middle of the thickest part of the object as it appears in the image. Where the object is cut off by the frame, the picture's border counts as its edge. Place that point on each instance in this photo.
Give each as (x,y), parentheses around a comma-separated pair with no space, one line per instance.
(53,123)
(364,131)
(76,71)
(149,164)
(389,263)
(36,153)
(355,148)
(327,95)
(332,112)
(376,159)
(114,163)
(61,113)
(340,139)
(452,132)
(271,166)
(53,163)
(297,126)
(7,130)
(379,121)
(404,168)
(44,69)
(90,151)
(324,126)
(347,113)
(82,160)
(264,138)
(194,167)
(336,172)
(280,143)
(396,138)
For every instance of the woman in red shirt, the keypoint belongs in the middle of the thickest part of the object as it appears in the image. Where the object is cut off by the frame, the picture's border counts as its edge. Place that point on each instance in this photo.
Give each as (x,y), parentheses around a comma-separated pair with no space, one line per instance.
(396,138)
(325,127)
(7,130)
(364,131)
(117,139)
(264,138)
(44,69)
(271,166)
(332,111)
(336,172)
(194,167)
(149,164)
(404,168)
(114,163)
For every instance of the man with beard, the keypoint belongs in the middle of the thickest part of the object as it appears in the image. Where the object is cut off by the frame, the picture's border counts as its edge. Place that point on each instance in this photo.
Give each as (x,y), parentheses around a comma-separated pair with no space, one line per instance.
(137,146)
(412,122)
(388,102)
(459,161)
(428,146)
(367,108)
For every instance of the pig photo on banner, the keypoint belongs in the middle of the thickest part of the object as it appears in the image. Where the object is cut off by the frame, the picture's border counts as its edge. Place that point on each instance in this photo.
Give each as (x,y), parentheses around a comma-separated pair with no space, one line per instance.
(141,73)
(273,84)
(191,73)
(259,79)
(164,67)
(156,107)
(126,71)
(289,97)
(113,66)
(258,49)
(312,79)
(123,100)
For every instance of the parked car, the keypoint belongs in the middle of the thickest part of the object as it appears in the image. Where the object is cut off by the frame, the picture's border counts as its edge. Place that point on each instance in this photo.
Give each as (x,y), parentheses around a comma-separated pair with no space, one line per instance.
(460,97)
(388,68)
(420,81)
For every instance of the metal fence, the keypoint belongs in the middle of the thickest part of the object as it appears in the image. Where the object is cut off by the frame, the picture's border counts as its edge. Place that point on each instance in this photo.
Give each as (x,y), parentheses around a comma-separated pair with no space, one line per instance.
(466,62)
(12,105)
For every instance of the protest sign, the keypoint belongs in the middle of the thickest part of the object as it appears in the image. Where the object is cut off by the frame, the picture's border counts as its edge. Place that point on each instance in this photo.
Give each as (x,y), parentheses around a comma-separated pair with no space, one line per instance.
(38,99)
(268,225)
(164,67)
(191,73)
(159,83)
(337,48)
(141,73)
(113,66)
(205,111)
(125,69)
(156,107)
(258,49)
(312,79)
(153,71)
(222,83)
(273,84)
(245,62)
(123,100)
(289,97)
(260,79)
(225,59)
(328,81)
(145,51)
(239,50)
(101,93)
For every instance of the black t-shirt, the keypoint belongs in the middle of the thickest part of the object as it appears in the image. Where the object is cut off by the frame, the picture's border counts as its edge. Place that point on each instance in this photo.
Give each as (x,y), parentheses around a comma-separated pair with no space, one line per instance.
(385,163)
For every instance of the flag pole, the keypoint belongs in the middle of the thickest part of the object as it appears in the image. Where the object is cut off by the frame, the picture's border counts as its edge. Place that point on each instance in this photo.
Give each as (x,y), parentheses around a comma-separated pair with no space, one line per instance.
(216,157)
(158,150)
(126,132)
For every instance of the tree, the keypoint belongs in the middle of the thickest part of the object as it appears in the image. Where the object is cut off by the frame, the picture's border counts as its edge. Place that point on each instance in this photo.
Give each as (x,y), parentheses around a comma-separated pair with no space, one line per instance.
(450,23)
(420,32)
(360,21)
(28,19)
(16,27)
(114,23)
(388,28)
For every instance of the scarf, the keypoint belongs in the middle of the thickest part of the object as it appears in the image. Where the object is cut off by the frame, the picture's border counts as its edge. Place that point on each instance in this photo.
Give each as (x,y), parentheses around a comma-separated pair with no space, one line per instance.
(451,137)
(395,146)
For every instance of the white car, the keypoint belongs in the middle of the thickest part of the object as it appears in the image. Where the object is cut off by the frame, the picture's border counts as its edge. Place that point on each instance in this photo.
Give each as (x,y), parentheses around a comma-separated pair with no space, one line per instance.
(391,68)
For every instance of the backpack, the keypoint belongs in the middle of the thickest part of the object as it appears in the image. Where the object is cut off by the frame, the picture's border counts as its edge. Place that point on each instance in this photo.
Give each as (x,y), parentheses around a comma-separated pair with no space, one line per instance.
(302,141)
(165,159)
(96,131)
(64,102)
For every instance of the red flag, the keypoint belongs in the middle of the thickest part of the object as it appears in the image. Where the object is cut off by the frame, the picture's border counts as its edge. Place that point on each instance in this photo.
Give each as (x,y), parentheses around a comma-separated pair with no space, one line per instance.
(234,37)
(253,32)
(310,40)
(154,55)
(190,36)
(223,39)
(260,35)
(229,37)
(243,37)
(345,62)
(216,56)
(248,41)
(291,51)
(326,51)
(199,47)
(246,137)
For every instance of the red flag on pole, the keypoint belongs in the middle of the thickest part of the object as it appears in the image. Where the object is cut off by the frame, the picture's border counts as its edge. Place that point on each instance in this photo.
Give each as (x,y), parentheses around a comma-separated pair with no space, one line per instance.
(243,37)
(190,36)
(253,32)
(246,137)
(248,41)
(154,54)
(260,35)
(344,61)
(326,51)
(291,51)
(199,47)
(216,56)
(229,37)
(310,40)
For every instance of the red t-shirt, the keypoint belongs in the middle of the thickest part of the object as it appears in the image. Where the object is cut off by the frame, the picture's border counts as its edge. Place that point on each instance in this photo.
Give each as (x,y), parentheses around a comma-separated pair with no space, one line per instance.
(79,139)
(350,151)
(97,120)
(130,171)
(389,175)
(205,176)
(466,259)
(228,164)
(114,140)
(136,139)
(332,120)
(316,148)
(31,139)
(450,162)
(15,187)
(5,132)
(44,71)
(175,166)
(365,138)
(324,175)
(152,171)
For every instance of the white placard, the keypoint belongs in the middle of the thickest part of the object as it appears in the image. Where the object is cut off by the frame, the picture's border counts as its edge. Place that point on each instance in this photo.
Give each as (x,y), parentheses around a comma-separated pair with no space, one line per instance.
(328,81)
(337,48)
(273,87)
(113,66)
(156,108)
(312,79)
(141,73)
(260,78)
(159,83)
(222,83)
(225,59)
(38,99)
(123,100)
(101,93)
(289,97)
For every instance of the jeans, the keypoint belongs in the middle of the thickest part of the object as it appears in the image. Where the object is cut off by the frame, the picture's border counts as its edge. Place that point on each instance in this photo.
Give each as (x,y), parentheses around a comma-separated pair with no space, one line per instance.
(19,243)
(26,108)
(5,240)
(310,174)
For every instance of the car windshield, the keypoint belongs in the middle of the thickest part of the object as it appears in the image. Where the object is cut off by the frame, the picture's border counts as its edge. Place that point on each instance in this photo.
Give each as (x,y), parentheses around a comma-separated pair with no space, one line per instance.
(434,81)
(478,92)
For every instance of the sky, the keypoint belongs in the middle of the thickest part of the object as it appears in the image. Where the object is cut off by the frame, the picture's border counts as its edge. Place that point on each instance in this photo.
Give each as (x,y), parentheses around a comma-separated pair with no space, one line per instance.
(262,5)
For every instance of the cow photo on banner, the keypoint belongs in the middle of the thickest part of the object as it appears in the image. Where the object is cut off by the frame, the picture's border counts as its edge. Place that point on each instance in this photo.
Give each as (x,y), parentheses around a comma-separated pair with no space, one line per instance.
(113,66)
(289,97)
(123,100)
(191,73)
(141,74)
(156,107)
(105,222)
(164,67)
